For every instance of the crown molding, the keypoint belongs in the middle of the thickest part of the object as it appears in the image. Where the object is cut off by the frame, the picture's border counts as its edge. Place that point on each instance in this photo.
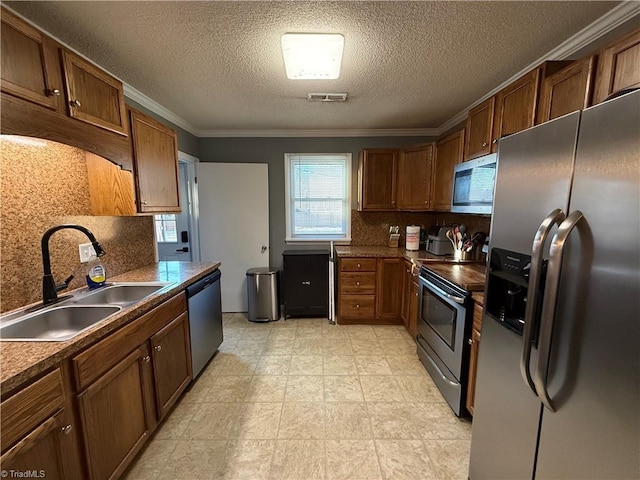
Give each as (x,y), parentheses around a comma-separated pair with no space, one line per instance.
(390,132)
(610,20)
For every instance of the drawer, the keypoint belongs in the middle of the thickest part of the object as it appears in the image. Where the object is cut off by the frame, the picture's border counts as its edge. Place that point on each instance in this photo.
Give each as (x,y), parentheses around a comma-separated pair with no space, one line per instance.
(358,306)
(357,264)
(99,358)
(28,408)
(358,282)
(477,317)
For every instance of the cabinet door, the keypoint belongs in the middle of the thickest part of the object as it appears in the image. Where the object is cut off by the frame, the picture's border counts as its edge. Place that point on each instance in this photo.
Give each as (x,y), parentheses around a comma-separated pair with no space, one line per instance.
(389,291)
(40,451)
(473,369)
(406,293)
(93,96)
(377,179)
(414,178)
(448,154)
(155,155)
(115,415)
(479,129)
(30,68)
(516,107)
(618,67)
(171,355)
(413,307)
(566,91)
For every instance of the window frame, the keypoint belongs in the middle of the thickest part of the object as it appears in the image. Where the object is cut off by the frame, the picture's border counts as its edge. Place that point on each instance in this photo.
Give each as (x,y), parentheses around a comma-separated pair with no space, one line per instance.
(290,238)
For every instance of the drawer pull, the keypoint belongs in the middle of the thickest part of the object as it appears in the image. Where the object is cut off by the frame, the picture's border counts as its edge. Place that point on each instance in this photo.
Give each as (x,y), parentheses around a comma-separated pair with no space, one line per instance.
(357,284)
(357,305)
(308,282)
(358,265)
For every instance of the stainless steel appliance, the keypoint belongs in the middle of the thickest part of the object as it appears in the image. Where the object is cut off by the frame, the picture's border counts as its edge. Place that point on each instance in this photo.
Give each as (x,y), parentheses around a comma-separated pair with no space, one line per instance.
(444,321)
(473,185)
(205,320)
(559,398)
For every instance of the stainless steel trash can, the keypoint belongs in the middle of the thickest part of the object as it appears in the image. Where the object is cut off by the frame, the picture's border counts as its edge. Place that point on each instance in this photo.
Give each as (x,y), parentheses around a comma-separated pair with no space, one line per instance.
(263,293)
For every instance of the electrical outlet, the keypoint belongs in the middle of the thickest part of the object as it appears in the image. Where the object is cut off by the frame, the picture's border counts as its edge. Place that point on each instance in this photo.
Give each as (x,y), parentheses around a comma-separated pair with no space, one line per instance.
(87,252)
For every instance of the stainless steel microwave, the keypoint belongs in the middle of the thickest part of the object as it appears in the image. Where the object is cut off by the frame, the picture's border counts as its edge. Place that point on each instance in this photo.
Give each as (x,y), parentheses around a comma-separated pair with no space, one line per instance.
(473,185)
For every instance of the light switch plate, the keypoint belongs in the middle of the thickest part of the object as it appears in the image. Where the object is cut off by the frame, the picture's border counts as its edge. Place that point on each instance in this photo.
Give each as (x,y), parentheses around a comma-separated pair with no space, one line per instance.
(87,252)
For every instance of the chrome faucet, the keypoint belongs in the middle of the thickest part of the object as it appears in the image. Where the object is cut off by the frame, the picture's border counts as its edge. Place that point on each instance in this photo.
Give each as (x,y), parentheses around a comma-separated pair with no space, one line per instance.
(49,287)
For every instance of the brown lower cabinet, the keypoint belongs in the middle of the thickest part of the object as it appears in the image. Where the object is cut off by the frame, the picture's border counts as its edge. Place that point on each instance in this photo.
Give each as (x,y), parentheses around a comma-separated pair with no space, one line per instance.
(410,299)
(473,359)
(370,290)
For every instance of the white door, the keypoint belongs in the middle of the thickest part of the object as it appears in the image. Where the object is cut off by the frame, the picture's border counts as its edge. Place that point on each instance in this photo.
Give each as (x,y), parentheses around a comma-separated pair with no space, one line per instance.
(233,204)
(172,230)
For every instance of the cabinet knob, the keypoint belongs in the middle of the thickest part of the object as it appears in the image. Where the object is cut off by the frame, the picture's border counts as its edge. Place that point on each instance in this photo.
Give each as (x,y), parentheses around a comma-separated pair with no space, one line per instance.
(495,140)
(144,202)
(416,294)
(67,429)
(357,284)
(147,359)
(484,144)
(75,103)
(157,348)
(470,341)
(53,92)
(358,265)
(357,306)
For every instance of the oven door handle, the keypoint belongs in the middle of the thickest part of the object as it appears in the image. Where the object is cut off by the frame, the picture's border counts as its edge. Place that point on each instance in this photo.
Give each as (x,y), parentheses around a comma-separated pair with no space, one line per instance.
(554,218)
(431,286)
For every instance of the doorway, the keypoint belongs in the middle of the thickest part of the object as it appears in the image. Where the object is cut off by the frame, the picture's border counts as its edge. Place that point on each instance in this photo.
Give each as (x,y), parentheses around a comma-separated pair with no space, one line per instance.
(177,233)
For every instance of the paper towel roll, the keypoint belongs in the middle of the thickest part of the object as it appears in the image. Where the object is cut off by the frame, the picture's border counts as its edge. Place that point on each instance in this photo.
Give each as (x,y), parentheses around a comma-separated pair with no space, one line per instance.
(413,237)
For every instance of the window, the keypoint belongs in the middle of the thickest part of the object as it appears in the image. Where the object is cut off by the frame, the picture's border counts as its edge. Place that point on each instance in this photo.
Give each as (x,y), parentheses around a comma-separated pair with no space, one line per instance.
(166,231)
(318,196)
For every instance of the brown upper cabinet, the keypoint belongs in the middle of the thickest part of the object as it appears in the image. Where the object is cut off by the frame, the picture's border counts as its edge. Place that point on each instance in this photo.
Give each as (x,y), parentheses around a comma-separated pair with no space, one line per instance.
(377,169)
(448,154)
(93,96)
(567,90)
(479,129)
(618,67)
(414,178)
(30,65)
(155,155)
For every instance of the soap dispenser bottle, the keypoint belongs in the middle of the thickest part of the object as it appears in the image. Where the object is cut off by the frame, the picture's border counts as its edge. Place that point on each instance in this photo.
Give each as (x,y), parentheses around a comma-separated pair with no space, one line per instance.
(96,274)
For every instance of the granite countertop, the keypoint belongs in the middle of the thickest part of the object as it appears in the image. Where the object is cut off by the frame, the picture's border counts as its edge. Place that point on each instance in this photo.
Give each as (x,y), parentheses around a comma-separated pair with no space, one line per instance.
(20,361)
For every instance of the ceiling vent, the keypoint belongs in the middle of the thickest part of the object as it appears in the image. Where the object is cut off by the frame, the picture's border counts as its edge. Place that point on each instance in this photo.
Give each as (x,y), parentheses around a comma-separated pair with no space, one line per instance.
(327,97)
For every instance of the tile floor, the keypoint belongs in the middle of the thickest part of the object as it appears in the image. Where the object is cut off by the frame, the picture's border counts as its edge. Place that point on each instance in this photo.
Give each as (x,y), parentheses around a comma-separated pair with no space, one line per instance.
(304,399)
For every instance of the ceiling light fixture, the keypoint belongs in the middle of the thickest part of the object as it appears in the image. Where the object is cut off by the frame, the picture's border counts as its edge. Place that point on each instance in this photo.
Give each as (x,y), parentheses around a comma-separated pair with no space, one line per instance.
(312,55)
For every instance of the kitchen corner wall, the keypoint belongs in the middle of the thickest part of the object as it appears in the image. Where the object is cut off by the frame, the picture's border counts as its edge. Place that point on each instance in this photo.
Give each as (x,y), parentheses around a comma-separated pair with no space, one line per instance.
(43,184)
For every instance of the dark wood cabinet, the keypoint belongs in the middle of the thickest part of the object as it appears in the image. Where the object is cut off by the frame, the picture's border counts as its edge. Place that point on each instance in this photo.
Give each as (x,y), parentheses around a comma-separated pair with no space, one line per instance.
(389,275)
(305,283)
(473,358)
(567,90)
(515,108)
(171,360)
(155,155)
(357,287)
(377,170)
(115,417)
(479,129)
(406,293)
(30,66)
(94,96)
(414,305)
(448,155)
(618,67)
(410,299)
(415,166)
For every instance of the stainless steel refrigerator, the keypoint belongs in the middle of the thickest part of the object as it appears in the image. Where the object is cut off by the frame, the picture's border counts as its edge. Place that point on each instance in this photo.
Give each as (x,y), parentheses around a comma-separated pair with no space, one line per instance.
(558,384)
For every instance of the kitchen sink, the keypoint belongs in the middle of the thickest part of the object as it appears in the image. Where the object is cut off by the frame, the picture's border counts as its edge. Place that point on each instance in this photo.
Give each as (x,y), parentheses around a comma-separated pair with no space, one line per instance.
(122,294)
(55,324)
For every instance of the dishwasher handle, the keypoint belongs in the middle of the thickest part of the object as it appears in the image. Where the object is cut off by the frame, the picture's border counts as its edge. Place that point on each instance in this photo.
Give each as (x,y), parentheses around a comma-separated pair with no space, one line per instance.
(200,285)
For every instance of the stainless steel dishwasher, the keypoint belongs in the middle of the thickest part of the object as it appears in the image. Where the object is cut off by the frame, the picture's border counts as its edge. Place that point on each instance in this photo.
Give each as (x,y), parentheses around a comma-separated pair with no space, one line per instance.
(205,320)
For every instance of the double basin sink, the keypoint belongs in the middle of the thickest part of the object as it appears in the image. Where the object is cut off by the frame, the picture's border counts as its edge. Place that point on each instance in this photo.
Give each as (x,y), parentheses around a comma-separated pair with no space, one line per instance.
(64,320)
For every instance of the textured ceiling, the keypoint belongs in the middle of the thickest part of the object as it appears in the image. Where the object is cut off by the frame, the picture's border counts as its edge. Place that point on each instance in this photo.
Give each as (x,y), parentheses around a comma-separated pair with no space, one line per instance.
(218,65)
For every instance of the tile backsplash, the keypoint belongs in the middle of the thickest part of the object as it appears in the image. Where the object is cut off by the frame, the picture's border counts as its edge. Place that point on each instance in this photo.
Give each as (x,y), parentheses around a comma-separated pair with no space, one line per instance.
(43,184)
(372,228)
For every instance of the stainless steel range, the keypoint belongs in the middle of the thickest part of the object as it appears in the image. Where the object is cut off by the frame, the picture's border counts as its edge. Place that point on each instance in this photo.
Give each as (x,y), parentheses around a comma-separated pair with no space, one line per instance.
(444,323)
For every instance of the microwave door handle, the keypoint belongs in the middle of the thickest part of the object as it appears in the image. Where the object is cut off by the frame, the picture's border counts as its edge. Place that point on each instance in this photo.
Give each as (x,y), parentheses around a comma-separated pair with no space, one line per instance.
(554,218)
(431,286)
(549,305)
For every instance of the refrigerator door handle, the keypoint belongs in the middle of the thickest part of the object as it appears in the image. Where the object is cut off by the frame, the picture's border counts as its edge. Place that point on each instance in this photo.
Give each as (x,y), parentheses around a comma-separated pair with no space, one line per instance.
(554,218)
(549,305)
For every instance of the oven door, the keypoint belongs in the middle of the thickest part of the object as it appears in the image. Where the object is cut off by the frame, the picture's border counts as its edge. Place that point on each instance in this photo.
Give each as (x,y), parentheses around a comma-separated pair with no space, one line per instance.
(442,323)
